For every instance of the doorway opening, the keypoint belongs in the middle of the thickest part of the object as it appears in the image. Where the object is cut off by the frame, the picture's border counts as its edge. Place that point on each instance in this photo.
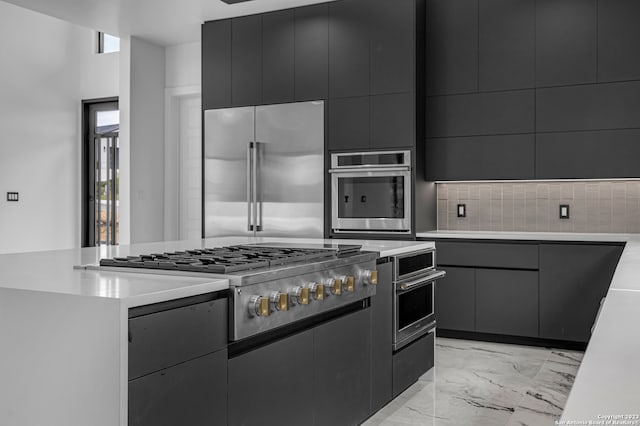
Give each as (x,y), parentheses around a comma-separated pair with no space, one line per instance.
(101,172)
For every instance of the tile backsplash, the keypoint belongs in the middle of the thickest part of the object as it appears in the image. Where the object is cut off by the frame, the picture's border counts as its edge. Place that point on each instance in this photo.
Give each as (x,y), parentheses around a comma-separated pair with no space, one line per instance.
(594,206)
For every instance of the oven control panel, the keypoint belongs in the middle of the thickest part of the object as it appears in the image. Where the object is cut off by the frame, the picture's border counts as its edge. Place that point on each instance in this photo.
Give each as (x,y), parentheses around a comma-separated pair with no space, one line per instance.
(264,306)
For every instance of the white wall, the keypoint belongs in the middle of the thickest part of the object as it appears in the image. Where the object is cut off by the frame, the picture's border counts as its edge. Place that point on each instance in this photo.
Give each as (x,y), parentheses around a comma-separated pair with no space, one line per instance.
(146,141)
(48,67)
(182,80)
(183,65)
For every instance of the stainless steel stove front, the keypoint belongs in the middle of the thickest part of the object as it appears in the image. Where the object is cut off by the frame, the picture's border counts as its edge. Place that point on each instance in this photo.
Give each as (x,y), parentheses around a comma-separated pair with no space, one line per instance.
(267,305)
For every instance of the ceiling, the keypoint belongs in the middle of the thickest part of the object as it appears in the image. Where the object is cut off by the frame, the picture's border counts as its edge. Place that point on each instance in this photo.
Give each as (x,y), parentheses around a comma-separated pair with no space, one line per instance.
(164,22)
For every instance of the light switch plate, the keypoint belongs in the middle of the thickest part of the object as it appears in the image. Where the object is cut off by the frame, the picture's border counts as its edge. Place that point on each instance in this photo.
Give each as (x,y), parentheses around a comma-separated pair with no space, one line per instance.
(462,210)
(564,211)
(12,196)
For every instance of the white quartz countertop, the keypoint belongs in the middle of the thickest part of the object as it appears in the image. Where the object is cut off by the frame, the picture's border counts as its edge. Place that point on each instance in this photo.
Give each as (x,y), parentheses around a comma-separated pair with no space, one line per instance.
(527,236)
(52,271)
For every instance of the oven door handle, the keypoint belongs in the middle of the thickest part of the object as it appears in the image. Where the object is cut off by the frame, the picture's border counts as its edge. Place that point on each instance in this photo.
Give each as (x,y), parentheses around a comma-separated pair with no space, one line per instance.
(408,285)
(376,169)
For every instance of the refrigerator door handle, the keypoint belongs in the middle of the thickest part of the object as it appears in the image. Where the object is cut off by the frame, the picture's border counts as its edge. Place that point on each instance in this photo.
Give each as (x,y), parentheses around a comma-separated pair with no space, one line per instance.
(250,186)
(257,196)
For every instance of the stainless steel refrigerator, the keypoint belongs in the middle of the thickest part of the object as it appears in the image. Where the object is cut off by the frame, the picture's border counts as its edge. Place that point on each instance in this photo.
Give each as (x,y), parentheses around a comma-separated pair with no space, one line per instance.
(264,170)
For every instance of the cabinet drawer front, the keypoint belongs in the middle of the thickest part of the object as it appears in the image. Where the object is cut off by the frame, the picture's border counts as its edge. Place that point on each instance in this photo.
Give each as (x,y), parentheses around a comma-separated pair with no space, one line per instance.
(489,255)
(193,393)
(162,339)
(412,362)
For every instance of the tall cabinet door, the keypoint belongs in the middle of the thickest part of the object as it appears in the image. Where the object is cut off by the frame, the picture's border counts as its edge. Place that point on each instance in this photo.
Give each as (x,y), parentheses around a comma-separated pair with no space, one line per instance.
(342,370)
(348,48)
(277,56)
(290,172)
(227,133)
(246,60)
(311,52)
(216,64)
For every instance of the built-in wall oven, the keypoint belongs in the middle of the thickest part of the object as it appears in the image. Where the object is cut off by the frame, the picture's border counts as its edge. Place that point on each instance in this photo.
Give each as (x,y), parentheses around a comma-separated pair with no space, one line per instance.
(414,278)
(371,192)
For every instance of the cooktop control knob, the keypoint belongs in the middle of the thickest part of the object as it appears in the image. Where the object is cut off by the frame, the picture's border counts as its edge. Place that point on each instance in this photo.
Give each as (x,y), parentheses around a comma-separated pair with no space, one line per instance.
(280,300)
(334,285)
(317,290)
(300,295)
(370,277)
(348,282)
(260,306)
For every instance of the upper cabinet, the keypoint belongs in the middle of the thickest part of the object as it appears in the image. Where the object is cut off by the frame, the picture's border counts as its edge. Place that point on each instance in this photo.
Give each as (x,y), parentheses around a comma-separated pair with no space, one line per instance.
(311,52)
(216,64)
(348,48)
(246,60)
(393,46)
(278,31)
(452,46)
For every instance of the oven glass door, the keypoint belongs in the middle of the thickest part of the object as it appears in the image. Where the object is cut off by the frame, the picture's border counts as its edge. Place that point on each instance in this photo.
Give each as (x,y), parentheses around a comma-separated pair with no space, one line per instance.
(371,201)
(414,312)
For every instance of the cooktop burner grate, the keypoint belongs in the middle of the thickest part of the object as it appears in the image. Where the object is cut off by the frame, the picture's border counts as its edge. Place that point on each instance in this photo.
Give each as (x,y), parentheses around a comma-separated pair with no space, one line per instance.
(222,260)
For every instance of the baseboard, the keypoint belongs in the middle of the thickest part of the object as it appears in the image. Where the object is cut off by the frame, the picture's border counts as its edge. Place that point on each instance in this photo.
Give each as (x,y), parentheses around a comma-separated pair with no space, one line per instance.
(516,340)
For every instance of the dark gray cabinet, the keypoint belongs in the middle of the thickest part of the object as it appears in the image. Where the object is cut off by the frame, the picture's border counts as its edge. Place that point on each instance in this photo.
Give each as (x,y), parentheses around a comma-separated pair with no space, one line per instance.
(481,157)
(392,121)
(573,280)
(412,361)
(273,385)
(510,112)
(343,370)
(565,42)
(549,290)
(382,338)
(216,64)
(506,44)
(318,376)
(311,52)
(348,48)
(246,60)
(452,46)
(618,33)
(507,302)
(588,107)
(178,362)
(349,121)
(591,154)
(278,57)
(191,393)
(393,33)
(455,299)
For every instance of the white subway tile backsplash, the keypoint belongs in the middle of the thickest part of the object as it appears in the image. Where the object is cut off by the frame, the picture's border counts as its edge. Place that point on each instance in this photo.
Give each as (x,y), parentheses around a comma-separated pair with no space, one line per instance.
(595,206)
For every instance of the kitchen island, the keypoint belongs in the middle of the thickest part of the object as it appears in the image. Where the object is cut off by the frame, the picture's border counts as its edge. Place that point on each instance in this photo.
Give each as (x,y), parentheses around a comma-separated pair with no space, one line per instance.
(606,386)
(64,331)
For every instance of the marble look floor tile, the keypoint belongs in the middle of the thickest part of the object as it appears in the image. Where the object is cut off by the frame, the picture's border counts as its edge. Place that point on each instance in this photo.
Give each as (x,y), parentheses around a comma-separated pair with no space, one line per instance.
(481,383)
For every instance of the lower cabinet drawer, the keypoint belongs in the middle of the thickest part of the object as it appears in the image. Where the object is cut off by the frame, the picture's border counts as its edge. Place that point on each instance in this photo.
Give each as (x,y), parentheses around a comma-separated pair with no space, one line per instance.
(412,361)
(193,393)
(487,255)
(161,339)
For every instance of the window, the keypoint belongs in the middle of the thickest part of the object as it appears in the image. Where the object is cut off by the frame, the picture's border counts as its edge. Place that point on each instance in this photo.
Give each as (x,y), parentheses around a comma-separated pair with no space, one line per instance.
(108,43)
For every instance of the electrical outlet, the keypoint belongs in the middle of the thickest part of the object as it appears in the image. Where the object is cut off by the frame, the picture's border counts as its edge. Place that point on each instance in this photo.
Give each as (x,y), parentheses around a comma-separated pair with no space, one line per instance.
(12,196)
(564,211)
(462,210)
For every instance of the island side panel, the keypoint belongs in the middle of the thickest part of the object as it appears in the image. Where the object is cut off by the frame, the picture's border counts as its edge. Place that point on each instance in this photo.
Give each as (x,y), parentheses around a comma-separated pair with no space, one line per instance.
(61,359)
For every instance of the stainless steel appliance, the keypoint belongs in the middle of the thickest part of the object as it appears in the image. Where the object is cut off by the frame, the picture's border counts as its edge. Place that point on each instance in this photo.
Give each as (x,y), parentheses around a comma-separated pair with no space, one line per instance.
(371,192)
(264,170)
(272,285)
(414,278)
